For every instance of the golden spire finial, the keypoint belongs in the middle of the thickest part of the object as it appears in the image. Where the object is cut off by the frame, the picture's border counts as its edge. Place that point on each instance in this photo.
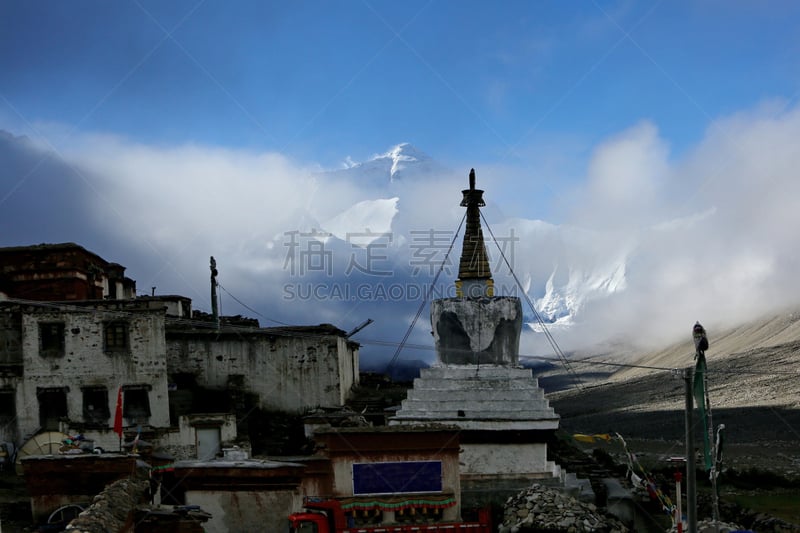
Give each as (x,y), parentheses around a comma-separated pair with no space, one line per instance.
(474,274)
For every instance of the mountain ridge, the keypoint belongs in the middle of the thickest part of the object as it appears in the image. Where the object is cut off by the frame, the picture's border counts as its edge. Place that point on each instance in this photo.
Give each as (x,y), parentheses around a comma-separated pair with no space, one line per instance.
(752,386)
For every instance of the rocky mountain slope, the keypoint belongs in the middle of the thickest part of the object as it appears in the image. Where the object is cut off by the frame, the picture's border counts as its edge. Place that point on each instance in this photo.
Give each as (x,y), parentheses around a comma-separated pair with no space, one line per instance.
(754,389)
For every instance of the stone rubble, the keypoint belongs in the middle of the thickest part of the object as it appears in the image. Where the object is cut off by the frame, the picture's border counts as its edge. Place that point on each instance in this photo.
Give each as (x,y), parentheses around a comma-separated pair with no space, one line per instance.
(112,509)
(546,508)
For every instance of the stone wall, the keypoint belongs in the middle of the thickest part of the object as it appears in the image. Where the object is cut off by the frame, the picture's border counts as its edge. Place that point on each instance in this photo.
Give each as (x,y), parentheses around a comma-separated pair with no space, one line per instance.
(85,363)
(263,511)
(477,331)
(288,373)
(112,510)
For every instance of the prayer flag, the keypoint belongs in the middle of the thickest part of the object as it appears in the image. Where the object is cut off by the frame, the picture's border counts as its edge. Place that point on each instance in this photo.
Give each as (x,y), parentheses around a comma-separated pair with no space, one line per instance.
(118,414)
(700,398)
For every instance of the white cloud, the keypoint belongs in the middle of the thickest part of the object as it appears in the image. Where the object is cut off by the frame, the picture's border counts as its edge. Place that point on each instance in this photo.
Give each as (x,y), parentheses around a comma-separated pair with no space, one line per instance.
(715,232)
(624,179)
(709,237)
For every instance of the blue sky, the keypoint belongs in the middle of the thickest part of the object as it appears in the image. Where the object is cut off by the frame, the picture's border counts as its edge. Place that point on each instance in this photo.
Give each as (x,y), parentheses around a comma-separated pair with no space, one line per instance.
(178,124)
(323,80)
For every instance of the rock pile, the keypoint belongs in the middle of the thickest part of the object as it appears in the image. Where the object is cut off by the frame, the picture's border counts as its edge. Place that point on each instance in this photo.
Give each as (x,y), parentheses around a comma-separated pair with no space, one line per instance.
(542,508)
(111,510)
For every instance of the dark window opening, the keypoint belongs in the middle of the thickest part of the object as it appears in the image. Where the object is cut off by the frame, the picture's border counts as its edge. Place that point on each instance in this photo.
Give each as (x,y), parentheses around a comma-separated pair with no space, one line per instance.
(95,406)
(211,401)
(51,339)
(115,336)
(136,404)
(52,407)
(7,407)
(180,396)
(184,380)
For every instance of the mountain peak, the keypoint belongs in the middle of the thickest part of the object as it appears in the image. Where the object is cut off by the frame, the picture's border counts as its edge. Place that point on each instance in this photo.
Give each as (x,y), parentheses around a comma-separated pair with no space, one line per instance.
(405,150)
(401,156)
(400,162)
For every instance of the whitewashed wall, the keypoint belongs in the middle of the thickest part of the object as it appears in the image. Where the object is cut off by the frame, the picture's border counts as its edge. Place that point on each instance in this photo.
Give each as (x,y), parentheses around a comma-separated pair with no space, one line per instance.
(86,364)
(289,373)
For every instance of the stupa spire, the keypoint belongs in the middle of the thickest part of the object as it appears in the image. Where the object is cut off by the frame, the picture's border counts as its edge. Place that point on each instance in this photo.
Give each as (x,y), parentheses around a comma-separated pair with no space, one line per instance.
(474,273)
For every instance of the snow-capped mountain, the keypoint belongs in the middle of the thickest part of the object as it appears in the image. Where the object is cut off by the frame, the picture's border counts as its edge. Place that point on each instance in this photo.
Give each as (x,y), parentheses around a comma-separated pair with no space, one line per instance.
(363,223)
(565,295)
(401,162)
(562,268)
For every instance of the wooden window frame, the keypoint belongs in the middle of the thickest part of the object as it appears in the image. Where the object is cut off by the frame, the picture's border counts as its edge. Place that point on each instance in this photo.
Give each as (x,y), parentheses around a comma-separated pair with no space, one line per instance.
(100,415)
(116,336)
(52,339)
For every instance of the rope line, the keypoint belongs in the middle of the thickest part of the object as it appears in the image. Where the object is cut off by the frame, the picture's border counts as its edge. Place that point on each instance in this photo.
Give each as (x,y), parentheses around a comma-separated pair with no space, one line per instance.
(547,334)
(425,300)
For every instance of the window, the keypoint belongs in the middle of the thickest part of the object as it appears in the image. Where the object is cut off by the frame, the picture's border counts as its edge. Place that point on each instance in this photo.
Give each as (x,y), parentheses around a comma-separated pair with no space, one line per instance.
(52,407)
(95,406)
(7,406)
(115,336)
(136,402)
(51,339)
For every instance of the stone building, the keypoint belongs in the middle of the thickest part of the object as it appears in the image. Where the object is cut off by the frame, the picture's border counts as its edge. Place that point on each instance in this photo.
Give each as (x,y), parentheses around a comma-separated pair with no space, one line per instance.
(61,272)
(66,363)
(392,474)
(477,383)
(291,369)
(73,334)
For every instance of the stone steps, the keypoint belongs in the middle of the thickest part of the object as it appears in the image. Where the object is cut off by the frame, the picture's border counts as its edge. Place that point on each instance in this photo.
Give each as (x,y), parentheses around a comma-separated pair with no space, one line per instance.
(494,398)
(475,385)
(482,373)
(532,396)
(479,405)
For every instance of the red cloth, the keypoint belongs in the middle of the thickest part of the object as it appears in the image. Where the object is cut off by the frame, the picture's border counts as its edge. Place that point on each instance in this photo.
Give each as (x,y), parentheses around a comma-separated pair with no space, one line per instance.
(118,414)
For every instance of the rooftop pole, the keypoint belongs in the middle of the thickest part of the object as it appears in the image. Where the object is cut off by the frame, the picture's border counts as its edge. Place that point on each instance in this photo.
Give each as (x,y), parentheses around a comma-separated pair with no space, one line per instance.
(214,307)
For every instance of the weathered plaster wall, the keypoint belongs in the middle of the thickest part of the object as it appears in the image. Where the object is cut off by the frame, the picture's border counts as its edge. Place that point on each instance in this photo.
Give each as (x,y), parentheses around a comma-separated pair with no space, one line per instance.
(181,443)
(477,331)
(343,469)
(345,448)
(289,373)
(499,459)
(85,363)
(245,511)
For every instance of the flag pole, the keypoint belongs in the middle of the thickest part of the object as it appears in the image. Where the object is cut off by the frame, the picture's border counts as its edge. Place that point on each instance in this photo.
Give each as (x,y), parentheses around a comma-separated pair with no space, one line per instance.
(713,471)
(691,470)
(678,511)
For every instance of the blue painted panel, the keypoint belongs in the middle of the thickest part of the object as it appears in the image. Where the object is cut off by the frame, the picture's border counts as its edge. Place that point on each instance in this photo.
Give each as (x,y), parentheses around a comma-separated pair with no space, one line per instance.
(397,477)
